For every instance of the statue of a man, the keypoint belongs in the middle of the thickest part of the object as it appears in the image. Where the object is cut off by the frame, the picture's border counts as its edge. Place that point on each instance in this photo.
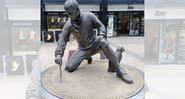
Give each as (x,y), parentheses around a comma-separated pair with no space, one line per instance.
(81,25)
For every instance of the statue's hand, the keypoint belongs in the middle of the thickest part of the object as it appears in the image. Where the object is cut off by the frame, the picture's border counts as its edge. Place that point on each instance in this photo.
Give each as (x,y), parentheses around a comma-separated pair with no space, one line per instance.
(100,37)
(58,60)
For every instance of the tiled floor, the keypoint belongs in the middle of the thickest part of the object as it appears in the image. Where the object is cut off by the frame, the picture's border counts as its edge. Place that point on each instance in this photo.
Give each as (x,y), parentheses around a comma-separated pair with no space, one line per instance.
(15,88)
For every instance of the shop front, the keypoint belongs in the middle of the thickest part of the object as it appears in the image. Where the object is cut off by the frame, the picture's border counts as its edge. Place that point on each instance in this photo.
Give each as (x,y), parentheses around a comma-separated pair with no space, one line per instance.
(126,23)
(122,19)
(21,37)
(165,36)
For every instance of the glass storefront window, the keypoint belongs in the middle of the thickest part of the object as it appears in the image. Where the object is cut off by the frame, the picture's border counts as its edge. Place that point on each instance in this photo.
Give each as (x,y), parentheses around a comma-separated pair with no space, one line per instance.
(167,40)
(167,43)
(56,21)
(25,36)
(128,23)
(136,23)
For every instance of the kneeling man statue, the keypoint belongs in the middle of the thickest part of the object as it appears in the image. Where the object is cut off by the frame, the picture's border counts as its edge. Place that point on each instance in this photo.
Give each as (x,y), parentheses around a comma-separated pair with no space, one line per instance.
(81,25)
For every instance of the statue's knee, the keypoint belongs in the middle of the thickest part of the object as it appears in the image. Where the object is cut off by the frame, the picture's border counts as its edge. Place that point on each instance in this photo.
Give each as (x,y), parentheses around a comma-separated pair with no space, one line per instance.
(71,68)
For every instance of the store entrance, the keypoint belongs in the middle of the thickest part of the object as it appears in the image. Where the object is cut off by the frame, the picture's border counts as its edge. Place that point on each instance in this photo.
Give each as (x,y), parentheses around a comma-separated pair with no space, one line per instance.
(123,24)
(118,23)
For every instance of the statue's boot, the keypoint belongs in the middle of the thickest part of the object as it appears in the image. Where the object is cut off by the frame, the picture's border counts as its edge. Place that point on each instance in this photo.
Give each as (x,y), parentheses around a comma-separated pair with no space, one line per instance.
(111,68)
(89,60)
(118,55)
(124,76)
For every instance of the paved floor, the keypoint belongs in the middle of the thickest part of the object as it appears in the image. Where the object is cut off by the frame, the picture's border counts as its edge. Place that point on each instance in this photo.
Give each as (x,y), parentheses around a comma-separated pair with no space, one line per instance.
(163,81)
(18,86)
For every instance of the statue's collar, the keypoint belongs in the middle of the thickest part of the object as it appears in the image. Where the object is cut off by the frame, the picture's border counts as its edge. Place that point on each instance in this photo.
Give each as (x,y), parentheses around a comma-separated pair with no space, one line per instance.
(78,20)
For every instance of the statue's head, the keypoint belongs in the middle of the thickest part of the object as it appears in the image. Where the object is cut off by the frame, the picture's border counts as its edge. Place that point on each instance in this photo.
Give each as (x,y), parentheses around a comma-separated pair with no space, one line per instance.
(72,9)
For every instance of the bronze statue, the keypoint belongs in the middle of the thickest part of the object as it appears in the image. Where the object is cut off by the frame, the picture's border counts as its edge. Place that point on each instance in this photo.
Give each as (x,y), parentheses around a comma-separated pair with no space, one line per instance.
(82,25)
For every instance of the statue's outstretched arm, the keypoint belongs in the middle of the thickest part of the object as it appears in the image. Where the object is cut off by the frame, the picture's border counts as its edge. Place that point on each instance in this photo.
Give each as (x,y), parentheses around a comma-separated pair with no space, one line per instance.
(63,39)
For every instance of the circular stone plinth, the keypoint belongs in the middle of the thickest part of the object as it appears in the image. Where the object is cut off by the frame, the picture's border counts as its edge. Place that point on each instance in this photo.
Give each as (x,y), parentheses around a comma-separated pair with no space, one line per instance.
(91,81)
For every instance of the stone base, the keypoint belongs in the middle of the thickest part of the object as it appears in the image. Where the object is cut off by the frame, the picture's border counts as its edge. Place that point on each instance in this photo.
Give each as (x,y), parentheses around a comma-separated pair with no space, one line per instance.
(91,82)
